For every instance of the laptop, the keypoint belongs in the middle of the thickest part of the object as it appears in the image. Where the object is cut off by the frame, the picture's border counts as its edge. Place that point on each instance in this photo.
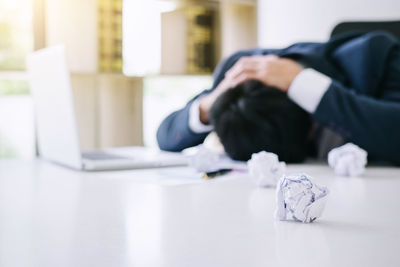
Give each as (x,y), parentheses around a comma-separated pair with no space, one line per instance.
(56,126)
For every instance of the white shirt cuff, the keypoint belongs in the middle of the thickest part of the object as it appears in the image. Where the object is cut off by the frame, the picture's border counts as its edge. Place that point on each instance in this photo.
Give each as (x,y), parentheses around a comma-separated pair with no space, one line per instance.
(308,88)
(194,119)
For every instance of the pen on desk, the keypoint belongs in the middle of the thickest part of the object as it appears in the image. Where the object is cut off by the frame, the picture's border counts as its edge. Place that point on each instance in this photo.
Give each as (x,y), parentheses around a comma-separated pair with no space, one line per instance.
(213,174)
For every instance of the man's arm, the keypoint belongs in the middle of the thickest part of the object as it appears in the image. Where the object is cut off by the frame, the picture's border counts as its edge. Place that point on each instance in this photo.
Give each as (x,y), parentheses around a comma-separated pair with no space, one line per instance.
(175,134)
(371,123)
(189,126)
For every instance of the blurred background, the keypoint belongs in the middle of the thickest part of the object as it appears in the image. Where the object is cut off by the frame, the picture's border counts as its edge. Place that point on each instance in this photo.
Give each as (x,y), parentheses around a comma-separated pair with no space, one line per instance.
(133,62)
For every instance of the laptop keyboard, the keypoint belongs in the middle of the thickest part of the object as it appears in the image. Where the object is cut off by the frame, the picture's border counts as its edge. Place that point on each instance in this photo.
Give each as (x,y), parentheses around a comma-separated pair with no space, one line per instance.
(98,155)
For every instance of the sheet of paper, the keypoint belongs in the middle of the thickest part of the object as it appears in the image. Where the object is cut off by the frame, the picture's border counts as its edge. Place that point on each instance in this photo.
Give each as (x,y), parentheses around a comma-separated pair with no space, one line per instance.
(188,176)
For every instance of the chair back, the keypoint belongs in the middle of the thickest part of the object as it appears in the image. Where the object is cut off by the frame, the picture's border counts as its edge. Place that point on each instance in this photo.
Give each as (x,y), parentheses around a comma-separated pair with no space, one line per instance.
(392,27)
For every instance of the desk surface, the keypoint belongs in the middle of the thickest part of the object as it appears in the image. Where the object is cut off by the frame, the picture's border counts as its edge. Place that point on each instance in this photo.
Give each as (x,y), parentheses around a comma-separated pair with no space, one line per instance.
(51,216)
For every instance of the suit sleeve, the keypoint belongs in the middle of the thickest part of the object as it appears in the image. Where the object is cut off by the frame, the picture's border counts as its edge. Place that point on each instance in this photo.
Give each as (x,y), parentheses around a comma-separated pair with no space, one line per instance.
(174,133)
(373,124)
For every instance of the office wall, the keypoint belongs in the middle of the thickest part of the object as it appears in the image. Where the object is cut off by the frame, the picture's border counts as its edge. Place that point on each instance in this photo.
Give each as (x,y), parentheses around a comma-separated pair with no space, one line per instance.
(282,22)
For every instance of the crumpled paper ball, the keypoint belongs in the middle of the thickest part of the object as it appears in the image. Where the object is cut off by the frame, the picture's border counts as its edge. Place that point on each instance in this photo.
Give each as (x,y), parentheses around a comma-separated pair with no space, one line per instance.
(203,159)
(265,169)
(348,160)
(299,199)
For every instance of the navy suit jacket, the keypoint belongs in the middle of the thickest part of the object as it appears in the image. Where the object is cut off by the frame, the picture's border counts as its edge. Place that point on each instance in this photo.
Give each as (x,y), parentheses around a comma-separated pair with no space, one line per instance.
(357,105)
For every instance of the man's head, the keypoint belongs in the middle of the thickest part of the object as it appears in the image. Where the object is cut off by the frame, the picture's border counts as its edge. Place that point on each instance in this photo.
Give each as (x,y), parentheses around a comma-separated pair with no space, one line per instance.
(253,117)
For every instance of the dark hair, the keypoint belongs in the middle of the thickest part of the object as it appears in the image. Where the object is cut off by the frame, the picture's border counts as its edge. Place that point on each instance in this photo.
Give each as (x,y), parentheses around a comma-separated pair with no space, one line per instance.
(253,117)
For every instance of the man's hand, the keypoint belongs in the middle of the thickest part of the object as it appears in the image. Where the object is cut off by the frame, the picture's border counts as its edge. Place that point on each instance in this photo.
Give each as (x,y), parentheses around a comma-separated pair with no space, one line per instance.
(208,100)
(270,70)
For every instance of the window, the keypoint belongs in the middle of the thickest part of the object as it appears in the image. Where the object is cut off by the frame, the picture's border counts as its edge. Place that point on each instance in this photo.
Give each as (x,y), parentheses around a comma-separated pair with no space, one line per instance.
(16,115)
(15,32)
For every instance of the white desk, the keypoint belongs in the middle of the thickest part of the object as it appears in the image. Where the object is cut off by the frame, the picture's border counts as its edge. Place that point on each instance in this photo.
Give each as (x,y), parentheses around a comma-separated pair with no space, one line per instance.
(51,216)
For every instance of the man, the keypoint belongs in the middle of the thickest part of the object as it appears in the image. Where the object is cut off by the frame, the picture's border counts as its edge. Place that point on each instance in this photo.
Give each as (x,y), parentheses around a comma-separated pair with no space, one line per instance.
(351,85)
